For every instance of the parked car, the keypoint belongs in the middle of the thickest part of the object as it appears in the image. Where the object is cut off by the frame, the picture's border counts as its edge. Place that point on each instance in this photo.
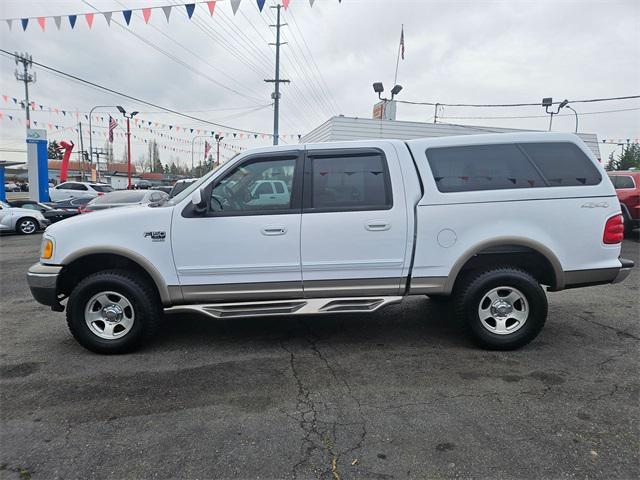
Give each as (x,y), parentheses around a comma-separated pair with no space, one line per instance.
(491,220)
(124,198)
(72,204)
(627,185)
(21,220)
(143,185)
(78,189)
(180,185)
(52,214)
(11,187)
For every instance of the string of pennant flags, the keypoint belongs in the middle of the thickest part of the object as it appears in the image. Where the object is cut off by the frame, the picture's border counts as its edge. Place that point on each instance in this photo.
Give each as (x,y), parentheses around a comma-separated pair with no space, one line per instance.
(139,122)
(127,14)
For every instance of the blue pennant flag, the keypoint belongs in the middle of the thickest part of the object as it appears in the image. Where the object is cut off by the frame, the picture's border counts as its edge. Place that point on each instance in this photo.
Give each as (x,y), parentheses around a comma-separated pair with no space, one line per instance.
(72,20)
(127,16)
(261,4)
(25,22)
(190,8)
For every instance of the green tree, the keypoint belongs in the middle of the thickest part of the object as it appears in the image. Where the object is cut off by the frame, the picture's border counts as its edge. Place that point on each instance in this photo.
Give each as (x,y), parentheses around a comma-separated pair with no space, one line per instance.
(54,151)
(627,159)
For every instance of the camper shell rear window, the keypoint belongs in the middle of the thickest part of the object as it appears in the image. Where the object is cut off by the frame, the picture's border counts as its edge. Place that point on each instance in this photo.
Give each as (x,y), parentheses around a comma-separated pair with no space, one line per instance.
(506,166)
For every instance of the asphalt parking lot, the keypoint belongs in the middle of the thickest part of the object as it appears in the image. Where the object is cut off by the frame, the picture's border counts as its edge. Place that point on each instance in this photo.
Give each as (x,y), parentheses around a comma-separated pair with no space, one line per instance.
(399,394)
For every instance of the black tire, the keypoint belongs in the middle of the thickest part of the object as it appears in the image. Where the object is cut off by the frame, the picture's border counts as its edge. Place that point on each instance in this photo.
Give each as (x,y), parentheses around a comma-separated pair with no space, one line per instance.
(628,227)
(27,226)
(472,292)
(147,310)
(440,299)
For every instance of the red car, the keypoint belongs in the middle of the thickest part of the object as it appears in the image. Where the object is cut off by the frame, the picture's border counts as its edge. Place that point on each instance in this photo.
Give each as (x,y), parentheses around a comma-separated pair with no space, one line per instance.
(627,185)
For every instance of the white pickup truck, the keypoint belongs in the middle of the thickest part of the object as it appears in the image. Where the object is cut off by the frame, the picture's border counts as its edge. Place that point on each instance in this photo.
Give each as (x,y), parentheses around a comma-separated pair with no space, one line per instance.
(486,219)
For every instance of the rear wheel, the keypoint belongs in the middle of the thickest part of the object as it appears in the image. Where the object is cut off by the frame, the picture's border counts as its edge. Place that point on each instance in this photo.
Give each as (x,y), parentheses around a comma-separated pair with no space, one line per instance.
(27,226)
(503,308)
(113,311)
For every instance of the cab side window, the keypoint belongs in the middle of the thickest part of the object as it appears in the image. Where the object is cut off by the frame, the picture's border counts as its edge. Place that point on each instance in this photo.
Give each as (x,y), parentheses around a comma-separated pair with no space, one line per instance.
(248,188)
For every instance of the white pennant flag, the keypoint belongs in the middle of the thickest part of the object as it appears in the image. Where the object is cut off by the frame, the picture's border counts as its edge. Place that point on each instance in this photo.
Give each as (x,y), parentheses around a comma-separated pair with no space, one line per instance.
(234,5)
(9,22)
(107,17)
(58,21)
(167,12)
(311,2)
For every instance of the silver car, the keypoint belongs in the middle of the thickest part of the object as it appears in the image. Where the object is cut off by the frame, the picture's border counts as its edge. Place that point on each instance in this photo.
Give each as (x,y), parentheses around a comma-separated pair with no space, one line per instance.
(123,198)
(21,220)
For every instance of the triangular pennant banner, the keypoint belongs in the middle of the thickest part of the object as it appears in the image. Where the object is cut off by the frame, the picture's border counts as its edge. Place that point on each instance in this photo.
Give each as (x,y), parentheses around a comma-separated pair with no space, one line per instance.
(311,2)
(234,5)
(127,16)
(211,6)
(190,8)
(146,14)
(107,17)
(72,20)
(41,22)
(285,4)
(9,22)
(89,18)
(58,21)
(167,12)
(25,22)
(261,4)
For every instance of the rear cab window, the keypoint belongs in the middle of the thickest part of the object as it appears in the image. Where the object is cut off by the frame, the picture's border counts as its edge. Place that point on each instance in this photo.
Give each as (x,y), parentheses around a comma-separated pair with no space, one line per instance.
(621,182)
(510,166)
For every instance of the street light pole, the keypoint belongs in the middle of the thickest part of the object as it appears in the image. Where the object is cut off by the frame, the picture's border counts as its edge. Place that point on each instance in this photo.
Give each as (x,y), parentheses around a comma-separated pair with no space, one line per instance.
(128,117)
(218,138)
(576,114)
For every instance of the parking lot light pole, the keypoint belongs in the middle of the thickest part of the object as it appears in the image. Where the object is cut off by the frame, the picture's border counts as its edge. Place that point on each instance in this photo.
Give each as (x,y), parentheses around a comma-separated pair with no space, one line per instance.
(576,114)
(218,138)
(128,117)
(91,133)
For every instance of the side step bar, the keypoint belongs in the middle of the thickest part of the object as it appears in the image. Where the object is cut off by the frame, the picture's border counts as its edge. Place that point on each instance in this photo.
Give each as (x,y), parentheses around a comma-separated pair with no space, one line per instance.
(288,307)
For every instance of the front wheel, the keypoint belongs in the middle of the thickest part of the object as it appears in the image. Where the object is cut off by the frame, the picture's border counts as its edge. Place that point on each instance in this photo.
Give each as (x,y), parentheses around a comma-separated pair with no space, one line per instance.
(27,226)
(503,308)
(113,311)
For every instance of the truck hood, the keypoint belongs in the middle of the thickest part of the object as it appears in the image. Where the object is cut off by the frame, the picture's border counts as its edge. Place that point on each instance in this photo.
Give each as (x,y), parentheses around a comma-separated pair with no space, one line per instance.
(115,228)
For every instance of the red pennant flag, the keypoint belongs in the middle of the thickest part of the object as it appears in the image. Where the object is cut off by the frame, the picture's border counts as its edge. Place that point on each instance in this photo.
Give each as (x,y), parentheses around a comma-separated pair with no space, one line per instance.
(212,6)
(89,18)
(146,14)
(285,4)
(41,22)
(5,98)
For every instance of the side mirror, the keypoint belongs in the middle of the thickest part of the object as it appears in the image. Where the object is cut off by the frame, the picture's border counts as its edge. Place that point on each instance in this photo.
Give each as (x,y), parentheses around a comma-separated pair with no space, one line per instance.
(198,200)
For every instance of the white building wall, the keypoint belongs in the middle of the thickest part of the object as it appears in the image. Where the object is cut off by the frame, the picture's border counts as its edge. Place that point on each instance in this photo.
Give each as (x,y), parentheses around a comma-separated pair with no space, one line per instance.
(349,128)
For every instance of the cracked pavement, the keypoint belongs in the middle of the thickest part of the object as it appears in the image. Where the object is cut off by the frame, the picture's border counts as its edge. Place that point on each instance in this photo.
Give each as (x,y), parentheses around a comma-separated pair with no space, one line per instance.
(397,394)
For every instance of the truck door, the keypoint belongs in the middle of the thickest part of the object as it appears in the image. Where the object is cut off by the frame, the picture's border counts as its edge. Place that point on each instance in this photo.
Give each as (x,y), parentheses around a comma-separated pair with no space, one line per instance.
(246,246)
(354,222)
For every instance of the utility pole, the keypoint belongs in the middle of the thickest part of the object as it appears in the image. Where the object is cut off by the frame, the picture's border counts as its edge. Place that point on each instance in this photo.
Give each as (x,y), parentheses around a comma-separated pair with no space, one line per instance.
(27,62)
(277,81)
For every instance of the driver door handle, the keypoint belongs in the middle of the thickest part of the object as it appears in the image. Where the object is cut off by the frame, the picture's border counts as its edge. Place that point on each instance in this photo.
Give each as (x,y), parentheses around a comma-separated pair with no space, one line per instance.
(270,230)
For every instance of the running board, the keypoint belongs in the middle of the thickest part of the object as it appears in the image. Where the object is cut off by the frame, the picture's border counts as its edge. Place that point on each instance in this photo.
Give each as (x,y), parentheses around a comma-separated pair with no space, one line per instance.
(287,307)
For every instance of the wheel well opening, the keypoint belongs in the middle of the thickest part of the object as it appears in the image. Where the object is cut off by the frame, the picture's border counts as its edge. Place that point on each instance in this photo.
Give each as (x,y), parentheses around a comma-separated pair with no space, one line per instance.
(80,268)
(525,258)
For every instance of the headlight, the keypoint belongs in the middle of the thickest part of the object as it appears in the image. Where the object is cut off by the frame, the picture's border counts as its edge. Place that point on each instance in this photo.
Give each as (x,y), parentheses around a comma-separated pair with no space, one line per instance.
(46,251)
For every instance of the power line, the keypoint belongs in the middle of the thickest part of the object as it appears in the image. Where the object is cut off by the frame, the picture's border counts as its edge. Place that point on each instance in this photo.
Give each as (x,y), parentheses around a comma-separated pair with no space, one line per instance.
(542,116)
(131,97)
(536,104)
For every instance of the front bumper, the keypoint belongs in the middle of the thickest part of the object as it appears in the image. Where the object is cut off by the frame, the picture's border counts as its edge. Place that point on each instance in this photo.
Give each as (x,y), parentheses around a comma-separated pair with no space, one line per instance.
(42,280)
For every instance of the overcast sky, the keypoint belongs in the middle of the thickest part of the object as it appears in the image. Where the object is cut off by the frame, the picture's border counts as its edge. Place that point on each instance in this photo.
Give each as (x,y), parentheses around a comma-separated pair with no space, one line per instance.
(214,67)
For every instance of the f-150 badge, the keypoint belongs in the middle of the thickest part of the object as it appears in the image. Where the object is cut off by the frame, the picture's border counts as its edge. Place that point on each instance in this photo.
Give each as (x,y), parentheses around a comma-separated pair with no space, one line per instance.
(156,236)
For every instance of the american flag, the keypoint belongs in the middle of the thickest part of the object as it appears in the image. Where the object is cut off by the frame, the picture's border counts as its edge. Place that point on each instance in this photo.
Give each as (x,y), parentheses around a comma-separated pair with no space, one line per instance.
(207,149)
(112,126)
(402,42)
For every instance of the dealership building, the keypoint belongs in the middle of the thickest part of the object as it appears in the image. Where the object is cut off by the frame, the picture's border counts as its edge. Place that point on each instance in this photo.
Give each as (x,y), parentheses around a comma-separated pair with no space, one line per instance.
(343,128)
